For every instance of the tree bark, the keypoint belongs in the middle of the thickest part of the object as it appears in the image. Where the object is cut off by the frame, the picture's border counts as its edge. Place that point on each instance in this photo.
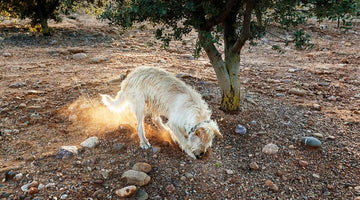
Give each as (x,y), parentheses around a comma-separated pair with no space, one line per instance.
(227,71)
(45,27)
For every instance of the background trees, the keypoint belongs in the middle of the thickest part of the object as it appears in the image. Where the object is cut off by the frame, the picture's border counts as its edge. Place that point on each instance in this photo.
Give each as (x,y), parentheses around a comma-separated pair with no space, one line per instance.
(223,22)
(40,11)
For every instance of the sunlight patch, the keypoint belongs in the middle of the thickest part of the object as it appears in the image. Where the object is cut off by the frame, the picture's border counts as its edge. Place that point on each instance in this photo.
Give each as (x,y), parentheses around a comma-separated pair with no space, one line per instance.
(96,117)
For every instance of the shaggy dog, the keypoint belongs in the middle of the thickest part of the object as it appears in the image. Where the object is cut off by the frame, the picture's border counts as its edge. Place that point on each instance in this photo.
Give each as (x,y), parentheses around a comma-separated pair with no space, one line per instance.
(162,94)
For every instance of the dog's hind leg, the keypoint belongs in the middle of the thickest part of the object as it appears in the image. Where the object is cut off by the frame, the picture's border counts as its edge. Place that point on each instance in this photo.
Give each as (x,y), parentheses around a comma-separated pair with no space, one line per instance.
(139,110)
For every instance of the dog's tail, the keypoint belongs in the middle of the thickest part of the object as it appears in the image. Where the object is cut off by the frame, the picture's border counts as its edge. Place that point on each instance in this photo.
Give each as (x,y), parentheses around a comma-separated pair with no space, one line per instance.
(114,105)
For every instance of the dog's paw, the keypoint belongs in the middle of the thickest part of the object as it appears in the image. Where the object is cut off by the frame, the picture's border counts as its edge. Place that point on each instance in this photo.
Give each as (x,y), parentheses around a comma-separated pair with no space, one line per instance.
(145,145)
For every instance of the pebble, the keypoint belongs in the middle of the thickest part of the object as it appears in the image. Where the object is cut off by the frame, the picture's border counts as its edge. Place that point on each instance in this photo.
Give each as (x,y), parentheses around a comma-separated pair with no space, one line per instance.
(32,190)
(270,149)
(25,187)
(142,167)
(118,147)
(91,142)
(170,188)
(331,137)
(272,185)
(79,56)
(135,177)
(254,166)
(189,175)
(323,84)
(126,191)
(155,149)
(66,152)
(9,175)
(319,135)
(97,60)
(240,129)
(53,42)
(187,56)
(303,163)
(105,173)
(50,185)
(229,171)
(280,95)
(64,196)
(316,106)
(316,175)
(18,176)
(17,85)
(297,91)
(310,142)
(34,184)
(357,96)
(6,54)
(141,195)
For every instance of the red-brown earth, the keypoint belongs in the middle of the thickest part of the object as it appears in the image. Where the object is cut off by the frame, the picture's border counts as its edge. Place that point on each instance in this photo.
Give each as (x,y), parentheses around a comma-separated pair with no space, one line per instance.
(50,98)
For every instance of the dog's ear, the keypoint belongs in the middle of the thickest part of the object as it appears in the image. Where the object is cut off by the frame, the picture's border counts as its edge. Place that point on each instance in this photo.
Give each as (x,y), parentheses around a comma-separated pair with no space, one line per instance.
(216,129)
(217,133)
(200,132)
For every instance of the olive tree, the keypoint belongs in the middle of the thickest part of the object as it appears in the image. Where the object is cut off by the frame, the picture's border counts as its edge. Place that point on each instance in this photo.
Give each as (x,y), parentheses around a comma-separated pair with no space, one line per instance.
(218,22)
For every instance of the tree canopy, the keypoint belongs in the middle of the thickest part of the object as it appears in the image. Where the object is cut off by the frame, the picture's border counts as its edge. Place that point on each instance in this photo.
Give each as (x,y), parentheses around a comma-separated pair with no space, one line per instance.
(227,22)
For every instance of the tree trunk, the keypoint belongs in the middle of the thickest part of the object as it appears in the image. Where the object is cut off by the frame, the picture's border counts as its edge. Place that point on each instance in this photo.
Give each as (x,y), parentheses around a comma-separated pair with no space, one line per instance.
(44,27)
(227,71)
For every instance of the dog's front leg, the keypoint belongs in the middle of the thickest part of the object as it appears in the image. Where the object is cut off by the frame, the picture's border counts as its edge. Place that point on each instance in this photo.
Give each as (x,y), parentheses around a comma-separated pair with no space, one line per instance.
(178,137)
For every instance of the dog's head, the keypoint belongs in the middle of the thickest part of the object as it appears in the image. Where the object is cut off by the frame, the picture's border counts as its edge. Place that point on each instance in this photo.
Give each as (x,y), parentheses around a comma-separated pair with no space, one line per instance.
(201,137)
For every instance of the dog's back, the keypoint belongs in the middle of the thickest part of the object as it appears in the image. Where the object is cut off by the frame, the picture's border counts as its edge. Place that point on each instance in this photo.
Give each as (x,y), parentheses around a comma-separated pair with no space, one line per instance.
(161,90)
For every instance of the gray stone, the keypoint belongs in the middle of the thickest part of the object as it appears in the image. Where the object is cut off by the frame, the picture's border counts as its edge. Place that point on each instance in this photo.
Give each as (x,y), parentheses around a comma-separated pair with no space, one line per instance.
(18,176)
(270,149)
(297,91)
(142,167)
(66,152)
(254,166)
(156,149)
(187,57)
(91,142)
(318,135)
(79,56)
(17,85)
(25,187)
(311,142)
(118,147)
(141,195)
(96,60)
(6,54)
(135,177)
(240,129)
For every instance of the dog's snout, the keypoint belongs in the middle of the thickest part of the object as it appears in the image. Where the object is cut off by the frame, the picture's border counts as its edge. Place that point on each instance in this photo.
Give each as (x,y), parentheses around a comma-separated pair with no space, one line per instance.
(200,155)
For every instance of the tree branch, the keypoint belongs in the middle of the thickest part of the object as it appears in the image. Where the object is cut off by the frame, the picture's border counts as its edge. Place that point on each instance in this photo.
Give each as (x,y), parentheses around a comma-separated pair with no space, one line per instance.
(209,23)
(210,49)
(245,33)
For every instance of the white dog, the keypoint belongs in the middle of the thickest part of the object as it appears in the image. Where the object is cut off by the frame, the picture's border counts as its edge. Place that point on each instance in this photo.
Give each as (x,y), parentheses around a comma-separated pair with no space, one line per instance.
(162,94)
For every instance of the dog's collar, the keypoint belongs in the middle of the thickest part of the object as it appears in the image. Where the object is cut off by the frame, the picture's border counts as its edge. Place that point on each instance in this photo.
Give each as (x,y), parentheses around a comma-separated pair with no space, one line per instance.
(193,129)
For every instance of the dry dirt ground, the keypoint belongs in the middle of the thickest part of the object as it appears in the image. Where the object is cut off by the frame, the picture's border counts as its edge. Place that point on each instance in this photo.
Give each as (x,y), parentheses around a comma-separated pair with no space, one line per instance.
(49,98)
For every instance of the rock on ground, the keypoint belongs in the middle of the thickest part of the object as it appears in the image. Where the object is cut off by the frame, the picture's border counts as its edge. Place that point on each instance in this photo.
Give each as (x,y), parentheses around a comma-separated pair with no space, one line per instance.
(135,177)
(142,167)
(126,191)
